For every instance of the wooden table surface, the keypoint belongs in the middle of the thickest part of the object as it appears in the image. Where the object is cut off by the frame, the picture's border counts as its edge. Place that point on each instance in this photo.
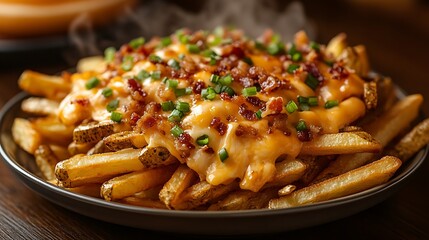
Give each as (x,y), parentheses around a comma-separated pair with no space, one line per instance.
(397,47)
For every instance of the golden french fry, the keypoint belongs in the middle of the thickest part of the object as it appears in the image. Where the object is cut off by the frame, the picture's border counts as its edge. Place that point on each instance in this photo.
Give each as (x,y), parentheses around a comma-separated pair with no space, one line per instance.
(245,199)
(143,202)
(131,183)
(370,94)
(52,87)
(152,157)
(92,132)
(411,143)
(46,161)
(151,193)
(97,168)
(337,45)
(52,130)
(287,171)
(314,166)
(126,139)
(100,147)
(79,148)
(60,152)
(40,106)
(92,190)
(182,178)
(354,181)
(286,190)
(25,134)
(341,143)
(91,64)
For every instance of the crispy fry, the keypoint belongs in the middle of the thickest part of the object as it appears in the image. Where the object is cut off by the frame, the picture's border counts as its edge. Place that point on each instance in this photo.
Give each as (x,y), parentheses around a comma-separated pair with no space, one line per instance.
(315,166)
(143,202)
(127,139)
(60,152)
(370,94)
(51,87)
(92,132)
(287,171)
(245,199)
(152,157)
(337,45)
(92,190)
(24,133)
(100,147)
(40,106)
(46,161)
(97,168)
(286,190)
(348,183)
(91,64)
(79,148)
(341,143)
(52,130)
(131,183)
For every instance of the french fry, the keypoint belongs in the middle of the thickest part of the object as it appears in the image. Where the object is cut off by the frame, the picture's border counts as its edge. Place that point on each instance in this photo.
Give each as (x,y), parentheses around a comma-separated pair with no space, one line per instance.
(286,190)
(287,171)
(60,152)
(92,132)
(97,168)
(126,139)
(152,157)
(52,130)
(40,106)
(412,142)
(383,129)
(46,161)
(91,64)
(131,183)
(370,94)
(51,87)
(341,143)
(354,181)
(245,199)
(100,147)
(143,202)
(79,148)
(24,133)
(337,45)
(92,190)
(315,164)
(181,179)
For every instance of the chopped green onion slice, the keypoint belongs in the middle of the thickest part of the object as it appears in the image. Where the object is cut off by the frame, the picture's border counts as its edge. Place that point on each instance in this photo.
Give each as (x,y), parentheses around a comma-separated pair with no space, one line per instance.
(304,107)
(223,154)
(192,48)
(137,42)
(258,114)
(329,63)
(301,125)
(172,84)
(311,81)
(92,83)
(107,92)
(296,57)
(180,92)
(226,89)
(331,103)
(188,90)
(214,78)
(181,56)
(165,41)
(167,106)
(208,53)
(315,46)
(154,58)
(112,105)
(175,116)
(274,48)
(213,61)
(116,117)
(142,75)
(226,80)
(203,140)
(208,93)
(302,99)
(249,91)
(216,41)
(127,63)
(259,45)
(248,60)
(176,131)
(156,75)
(184,39)
(183,107)
(292,67)
(173,63)
(291,106)
(313,101)
(109,54)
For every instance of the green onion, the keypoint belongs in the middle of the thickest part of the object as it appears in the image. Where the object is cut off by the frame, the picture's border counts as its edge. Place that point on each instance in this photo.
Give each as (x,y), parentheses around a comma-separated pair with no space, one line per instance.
(165,42)
(248,60)
(208,53)
(180,92)
(107,92)
(259,45)
(137,42)
(292,67)
(226,41)
(329,63)
(183,107)
(173,63)
(226,80)
(219,31)
(304,107)
(188,91)
(249,91)
(315,46)
(112,105)
(172,84)
(291,106)
(154,58)
(225,89)
(313,101)
(216,41)
(296,57)
(214,78)
(156,75)
(258,114)
(203,140)
(167,106)
(311,81)
(142,75)
(302,99)
(223,154)
(127,63)
(301,125)
(331,103)
(164,80)
(184,39)
(192,48)
(92,83)
(109,54)
(213,61)
(176,131)
(175,116)
(116,117)
(208,93)
(274,48)
(181,56)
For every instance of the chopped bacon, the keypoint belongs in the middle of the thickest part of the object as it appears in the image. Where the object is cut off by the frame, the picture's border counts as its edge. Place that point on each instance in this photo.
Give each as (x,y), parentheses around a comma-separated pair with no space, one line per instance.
(275,105)
(81,101)
(136,90)
(134,118)
(313,70)
(246,81)
(279,122)
(207,149)
(217,124)
(198,87)
(304,136)
(225,96)
(338,72)
(255,101)
(270,84)
(247,113)
(246,131)
(186,140)
(148,121)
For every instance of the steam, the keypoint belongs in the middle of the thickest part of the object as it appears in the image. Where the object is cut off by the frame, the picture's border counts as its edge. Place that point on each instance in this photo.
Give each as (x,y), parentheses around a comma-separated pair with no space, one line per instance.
(161,18)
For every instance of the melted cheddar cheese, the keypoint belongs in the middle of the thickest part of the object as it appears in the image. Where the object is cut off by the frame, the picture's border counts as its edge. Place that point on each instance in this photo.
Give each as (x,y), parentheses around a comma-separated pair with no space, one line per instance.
(254,130)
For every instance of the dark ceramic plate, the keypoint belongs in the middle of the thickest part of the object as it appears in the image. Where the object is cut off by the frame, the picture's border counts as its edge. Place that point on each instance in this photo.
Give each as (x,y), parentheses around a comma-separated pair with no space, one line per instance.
(218,223)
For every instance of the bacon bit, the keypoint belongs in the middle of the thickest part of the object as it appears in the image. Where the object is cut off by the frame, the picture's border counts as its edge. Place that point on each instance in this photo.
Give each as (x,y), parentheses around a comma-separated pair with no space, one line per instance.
(275,105)
(270,84)
(207,149)
(246,81)
(313,70)
(279,122)
(81,101)
(231,118)
(134,118)
(224,96)
(148,121)
(66,76)
(153,107)
(338,72)
(198,87)
(246,113)
(304,136)
(246,131)
(255,101)
(137,92)
(219,126)
(184,144)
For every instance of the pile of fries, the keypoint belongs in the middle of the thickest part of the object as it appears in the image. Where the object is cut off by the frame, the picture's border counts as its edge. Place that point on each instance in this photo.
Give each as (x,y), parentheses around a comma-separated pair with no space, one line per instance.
(112,158)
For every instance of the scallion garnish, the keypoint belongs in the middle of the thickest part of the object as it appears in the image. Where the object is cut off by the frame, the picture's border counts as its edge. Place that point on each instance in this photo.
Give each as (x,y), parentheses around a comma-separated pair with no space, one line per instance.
(292,68)
(223,154)
(112,105)
(331,103)
(180,92)
(301,125)
(137,42)
(208,93)
(142,75)
(176,131)
(175,116)
(304,107)
(274,48)
(116,117)
(226,89)
(313,101)
(302,99)
(172,84)
(167,106)
(192,48)
(214,78)
(203,140)
(173,63)
(154,58)
(296,57)
(183,107)
(311,81)
(249,91)
(315,46)
(127,63)
(92,83)
(226,80)
(258,114)
(156,75)
(165,42)
(109,54)
(291,106)
(107,92)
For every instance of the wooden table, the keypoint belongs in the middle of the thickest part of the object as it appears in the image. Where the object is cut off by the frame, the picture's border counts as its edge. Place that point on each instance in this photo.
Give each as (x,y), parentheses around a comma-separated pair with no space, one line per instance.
(396,47)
